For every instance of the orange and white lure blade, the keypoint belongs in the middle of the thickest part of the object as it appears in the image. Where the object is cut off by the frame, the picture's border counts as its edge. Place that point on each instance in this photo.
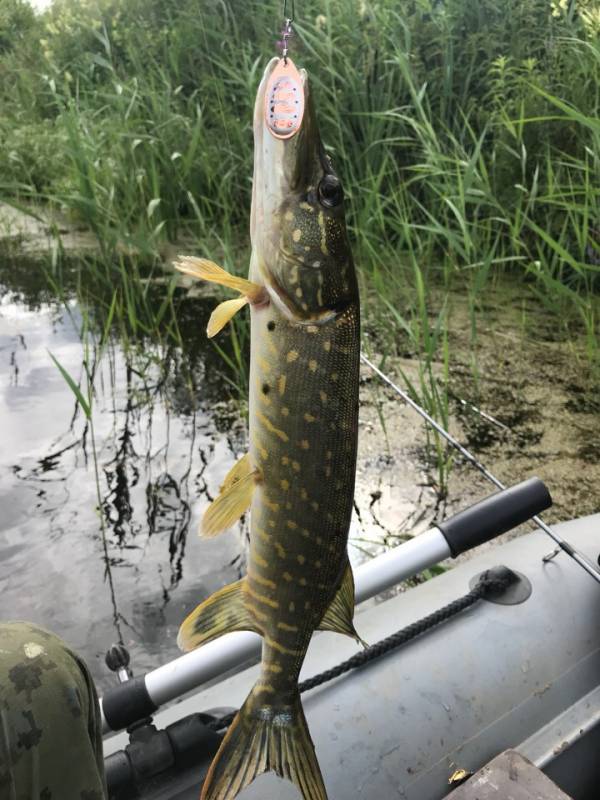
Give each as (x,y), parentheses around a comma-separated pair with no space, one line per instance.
(284,100)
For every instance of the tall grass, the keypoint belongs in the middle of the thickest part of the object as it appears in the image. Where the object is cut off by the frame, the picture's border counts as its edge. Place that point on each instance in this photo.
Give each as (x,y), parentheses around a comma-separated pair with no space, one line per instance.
(467,135)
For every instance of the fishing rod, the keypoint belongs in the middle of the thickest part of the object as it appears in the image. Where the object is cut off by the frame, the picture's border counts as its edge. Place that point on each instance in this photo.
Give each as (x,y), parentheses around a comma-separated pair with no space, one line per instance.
(563,545)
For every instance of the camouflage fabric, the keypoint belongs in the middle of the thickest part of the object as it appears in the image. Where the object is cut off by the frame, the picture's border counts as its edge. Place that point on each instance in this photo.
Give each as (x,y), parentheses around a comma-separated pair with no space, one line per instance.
(50,728)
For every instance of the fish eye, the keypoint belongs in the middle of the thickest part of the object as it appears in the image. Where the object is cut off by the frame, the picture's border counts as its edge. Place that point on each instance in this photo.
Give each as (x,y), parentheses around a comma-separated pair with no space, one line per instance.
(331,193)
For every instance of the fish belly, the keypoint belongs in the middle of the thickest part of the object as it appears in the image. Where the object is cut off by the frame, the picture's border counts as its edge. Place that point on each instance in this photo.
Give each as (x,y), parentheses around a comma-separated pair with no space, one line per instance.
(303,438)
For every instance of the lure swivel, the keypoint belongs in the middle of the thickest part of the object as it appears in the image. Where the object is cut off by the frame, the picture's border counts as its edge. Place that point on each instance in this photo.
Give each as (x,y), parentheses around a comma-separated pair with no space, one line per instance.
(287,32)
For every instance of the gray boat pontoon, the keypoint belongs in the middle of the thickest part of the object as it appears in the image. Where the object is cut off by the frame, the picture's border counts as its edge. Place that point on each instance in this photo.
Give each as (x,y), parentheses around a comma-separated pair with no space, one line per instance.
(512,663)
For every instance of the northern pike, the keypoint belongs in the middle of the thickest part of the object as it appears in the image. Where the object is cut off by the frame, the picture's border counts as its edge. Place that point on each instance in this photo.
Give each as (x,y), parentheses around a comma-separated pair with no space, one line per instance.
(298,477)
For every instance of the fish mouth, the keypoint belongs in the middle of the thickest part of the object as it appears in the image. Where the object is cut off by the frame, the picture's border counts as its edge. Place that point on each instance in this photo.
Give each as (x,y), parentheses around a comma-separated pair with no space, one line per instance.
(283,168)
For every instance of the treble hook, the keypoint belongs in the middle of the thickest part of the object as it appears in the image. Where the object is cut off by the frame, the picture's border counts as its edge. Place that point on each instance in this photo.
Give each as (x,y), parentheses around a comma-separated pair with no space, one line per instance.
(287,27)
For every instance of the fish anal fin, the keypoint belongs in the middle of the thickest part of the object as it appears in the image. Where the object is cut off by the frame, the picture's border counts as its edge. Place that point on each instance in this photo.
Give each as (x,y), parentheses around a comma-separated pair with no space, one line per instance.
(206,270)
(229,505)
(265,736)
(223,612)
(340,614)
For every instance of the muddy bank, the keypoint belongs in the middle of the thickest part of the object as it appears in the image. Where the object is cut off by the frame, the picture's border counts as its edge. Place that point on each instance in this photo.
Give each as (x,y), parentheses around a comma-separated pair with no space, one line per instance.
(534,385)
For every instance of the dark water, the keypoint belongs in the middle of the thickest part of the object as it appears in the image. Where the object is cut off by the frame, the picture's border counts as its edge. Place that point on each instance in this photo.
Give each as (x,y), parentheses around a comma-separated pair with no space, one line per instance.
(162,450)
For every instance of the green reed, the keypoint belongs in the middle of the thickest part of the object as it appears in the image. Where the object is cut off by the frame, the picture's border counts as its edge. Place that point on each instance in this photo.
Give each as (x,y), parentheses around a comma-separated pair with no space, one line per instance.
(467,137)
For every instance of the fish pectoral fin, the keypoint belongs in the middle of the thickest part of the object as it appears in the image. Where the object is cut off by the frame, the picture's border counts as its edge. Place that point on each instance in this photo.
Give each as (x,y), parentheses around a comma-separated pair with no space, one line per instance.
(265,736)
(223,313)
(233,501)
(339,616)
(206,270)
(223,612)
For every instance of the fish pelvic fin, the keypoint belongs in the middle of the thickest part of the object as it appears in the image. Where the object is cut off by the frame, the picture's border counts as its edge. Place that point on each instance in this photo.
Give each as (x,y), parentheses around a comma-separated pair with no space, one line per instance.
(233,500)
(265,736)
(223,612)
(339,617)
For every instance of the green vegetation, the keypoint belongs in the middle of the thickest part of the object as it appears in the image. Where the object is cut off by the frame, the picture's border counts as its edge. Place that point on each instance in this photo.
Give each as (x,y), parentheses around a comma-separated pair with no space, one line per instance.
(467,134)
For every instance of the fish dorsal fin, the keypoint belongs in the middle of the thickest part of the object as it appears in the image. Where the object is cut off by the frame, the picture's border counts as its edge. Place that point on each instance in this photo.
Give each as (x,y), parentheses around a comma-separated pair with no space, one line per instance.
(233,500)
(339,616)
(223,612)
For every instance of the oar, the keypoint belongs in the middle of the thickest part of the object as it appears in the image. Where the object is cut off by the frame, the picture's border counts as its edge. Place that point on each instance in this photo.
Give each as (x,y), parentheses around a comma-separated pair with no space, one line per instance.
(139,697)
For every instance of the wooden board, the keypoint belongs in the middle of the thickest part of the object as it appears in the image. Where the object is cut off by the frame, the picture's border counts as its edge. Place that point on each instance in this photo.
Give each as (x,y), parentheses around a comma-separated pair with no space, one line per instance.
(509,777)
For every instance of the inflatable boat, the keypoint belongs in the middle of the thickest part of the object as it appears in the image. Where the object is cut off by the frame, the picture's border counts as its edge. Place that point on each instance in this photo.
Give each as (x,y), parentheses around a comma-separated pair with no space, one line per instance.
(499,653)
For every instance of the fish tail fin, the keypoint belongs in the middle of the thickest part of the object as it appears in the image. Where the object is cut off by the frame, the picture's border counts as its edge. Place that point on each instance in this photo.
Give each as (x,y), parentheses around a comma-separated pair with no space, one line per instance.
(265,737)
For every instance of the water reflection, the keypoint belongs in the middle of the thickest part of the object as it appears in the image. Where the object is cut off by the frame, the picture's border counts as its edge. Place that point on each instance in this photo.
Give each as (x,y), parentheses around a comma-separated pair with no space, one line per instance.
(159,455)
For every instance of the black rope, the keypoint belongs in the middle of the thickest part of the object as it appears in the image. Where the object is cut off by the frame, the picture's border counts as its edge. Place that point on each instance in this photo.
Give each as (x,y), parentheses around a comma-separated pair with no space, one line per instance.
(487,583)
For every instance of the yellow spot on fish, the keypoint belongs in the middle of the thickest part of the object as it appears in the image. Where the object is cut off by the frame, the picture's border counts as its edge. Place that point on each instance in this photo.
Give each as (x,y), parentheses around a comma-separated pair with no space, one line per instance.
(263,453)
(328,454)
(270,427)
(272,506)
(285,485)
(299,292)
(263,364)
(264,581)
(289,216)
(318,564)
(288,506)
(270,667)
(302,581)
(285,627)
(334,376)
(304,444)
(287,577)
(312,365)
(261,597)
(297,235)
(292,607)
(328,472)
(301,559)
(285,460)
(305,533)
(319,540)
(306,605)
(263,534)
(292,356)
(281,384)
(262,562)
(327,346)
(275,645)
(323,396)
(314,505)
(272,524)
(291,524)
(309,417)
(295,466)
(280,549)
(306,206)
(304,494)
(285,411)
(258,614)
(312,329)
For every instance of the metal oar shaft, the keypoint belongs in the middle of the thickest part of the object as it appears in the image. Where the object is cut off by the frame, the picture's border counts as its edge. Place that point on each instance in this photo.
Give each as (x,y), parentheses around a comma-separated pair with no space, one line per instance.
(141,696)
(583,562)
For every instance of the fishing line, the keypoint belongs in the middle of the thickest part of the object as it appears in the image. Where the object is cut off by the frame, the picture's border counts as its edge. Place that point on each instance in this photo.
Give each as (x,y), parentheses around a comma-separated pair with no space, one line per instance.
(582,560)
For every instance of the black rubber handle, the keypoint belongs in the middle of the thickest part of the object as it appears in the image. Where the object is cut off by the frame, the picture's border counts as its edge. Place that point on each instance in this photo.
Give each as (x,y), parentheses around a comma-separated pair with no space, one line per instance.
(495,515)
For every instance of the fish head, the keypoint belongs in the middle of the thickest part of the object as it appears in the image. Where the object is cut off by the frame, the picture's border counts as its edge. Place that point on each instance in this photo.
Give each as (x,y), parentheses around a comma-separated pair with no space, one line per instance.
(300,248)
